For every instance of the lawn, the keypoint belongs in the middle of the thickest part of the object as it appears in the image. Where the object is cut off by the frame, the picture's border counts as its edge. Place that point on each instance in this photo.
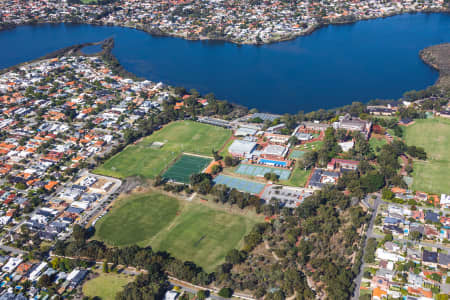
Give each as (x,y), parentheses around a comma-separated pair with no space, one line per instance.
(298,177)
(377,142)
(204,235)
(106,285)
(188,231)
(432,175)
(143,159)
(137,218)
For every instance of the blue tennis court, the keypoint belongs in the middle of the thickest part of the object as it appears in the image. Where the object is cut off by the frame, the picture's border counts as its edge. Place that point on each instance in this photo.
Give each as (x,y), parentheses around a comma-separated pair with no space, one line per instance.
(240,184)
(259,171)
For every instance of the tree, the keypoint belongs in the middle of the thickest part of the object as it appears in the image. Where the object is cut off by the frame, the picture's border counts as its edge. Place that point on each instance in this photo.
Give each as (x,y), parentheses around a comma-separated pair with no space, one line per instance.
(226,292)
(387,238)
(228,161)
(293,140)
(105,267)
(202,294)
(79,233)
(44,281)
(216,169)
(21,186)
(158,181)
(369,256)
(372,182)
(415,235)
(216,155)
(309,159)
(387,194)
(235,256)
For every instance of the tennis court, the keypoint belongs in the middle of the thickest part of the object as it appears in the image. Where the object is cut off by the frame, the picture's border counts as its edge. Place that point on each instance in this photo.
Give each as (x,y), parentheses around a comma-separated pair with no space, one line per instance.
(296,154)
(259,171)
(183,168)
(240,184)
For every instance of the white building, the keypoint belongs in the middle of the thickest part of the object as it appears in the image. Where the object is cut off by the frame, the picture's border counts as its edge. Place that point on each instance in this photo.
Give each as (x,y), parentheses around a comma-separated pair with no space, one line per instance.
(12,264)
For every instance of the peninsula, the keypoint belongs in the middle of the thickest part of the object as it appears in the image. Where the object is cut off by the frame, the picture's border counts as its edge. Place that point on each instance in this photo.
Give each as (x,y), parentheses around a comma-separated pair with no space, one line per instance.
(183,195)
(438,57)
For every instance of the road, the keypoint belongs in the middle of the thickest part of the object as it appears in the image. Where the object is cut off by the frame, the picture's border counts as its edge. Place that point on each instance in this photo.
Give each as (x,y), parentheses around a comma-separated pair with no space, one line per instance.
(421,243)
(358,278)
(371,234)
(189,287)
(100,205)
(434,209)
(12,250)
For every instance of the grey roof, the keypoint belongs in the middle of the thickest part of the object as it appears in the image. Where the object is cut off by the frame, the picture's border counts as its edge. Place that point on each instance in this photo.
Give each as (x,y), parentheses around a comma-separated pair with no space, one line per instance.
(303,136)
(384,272)
(266,117)
(416,227)
(432,216)
(444,259)
(242,147)
(75,210)
(428,256)
(317,176)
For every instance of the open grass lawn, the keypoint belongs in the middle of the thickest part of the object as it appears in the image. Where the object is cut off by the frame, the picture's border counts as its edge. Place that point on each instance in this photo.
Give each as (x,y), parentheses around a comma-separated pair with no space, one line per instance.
(189,231)
(311,146)
(137,218)
(298,177)
(204,235)
(106,285)
(146,160)
(432,175)
(377,142)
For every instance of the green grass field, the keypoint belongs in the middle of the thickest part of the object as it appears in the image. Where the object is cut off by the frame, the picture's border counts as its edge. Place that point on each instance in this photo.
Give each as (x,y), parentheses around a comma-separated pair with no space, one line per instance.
(144,160)
(106,285)
(432,175)
(188,231)
(136,218)
(298,177)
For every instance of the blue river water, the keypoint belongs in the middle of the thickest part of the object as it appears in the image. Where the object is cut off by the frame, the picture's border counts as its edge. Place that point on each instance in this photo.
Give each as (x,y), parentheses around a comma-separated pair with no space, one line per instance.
(333,66)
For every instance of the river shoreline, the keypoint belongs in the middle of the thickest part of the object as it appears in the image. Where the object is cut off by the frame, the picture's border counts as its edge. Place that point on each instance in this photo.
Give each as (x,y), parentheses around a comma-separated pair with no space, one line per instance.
(158,33)
(438,58)
(330,68)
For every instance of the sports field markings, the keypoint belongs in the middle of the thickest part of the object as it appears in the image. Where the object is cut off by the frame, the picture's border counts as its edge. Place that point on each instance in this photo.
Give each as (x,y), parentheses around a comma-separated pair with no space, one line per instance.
(259,171)
(184,167)
(240,184)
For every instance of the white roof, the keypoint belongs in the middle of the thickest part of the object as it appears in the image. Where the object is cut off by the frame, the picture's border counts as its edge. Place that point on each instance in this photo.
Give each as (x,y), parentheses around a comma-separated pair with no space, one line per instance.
(275,150)
(243,131)
(242,147)
(170,295)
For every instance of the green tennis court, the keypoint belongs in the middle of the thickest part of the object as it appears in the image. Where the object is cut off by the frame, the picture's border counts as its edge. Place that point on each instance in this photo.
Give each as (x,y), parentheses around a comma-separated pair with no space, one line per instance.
(184,167)
(295,154)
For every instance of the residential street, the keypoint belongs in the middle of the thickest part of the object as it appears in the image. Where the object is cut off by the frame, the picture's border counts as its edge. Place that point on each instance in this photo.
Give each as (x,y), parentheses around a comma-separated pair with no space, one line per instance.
(369,234)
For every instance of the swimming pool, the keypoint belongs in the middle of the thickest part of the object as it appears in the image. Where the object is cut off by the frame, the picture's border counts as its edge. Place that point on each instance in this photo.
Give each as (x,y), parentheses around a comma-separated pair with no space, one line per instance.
(273,162)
